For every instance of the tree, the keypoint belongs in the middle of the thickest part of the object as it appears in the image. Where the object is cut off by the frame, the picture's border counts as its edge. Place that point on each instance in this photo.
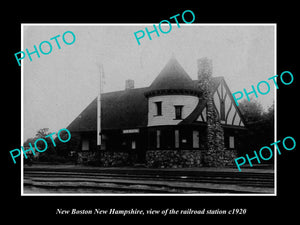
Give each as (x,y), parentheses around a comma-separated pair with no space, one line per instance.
(54,153)
(252,110)
(269,115)
(42,133)
(260,125)
(29,140)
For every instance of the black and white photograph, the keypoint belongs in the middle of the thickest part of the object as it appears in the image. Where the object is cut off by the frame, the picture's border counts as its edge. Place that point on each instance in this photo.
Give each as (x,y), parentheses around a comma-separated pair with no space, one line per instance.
(159,115)
(149,112)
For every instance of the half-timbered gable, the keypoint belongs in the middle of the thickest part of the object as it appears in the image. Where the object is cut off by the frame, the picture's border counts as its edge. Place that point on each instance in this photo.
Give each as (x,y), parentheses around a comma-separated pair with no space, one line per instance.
(228,112)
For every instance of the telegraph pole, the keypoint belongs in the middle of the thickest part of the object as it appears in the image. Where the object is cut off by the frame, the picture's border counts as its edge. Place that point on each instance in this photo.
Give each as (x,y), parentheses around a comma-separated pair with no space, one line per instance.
(99,106)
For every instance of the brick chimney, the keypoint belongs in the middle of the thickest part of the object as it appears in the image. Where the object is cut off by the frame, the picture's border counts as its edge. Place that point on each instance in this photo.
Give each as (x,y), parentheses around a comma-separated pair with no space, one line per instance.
(129,84)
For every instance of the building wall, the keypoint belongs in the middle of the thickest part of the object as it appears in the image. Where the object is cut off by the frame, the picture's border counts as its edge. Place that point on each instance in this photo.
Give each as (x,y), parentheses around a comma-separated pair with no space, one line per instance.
(177,137)
(168,111)
(172,157)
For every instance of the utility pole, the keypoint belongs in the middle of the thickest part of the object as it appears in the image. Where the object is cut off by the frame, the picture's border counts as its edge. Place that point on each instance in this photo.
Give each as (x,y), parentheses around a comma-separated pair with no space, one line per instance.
(101,76)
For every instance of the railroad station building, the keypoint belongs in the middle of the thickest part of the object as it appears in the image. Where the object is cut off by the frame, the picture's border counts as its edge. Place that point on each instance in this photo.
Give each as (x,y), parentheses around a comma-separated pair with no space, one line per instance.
(175,122)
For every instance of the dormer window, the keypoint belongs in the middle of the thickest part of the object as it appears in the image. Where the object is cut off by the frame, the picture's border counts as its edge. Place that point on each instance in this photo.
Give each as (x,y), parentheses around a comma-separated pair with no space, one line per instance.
(178,112)
(158,108)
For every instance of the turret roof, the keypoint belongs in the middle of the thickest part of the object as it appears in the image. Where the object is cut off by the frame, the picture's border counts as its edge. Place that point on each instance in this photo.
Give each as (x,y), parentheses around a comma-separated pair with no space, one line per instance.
(172,77)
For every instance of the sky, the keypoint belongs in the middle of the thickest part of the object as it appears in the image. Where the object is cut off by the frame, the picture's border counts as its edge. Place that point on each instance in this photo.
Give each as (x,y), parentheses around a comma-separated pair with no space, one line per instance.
(57,87)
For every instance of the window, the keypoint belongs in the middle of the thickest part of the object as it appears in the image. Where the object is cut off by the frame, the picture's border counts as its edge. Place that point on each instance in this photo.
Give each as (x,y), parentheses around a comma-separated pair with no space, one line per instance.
(158,108)
(85,144)
(231,141)
(195,139)
(157,138)
(104,140)
(176,138)
(178,112)
(133,145)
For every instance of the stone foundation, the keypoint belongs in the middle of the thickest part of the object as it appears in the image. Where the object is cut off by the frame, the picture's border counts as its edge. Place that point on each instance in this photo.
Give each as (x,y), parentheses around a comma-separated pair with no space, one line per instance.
(229,156)
(104,158)
(173,158)
(115,159)
(213,158)
(88,157)
(159,158)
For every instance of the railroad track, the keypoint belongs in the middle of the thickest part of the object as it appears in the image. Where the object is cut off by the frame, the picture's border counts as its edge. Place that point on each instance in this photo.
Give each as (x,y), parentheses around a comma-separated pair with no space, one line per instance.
(147,181)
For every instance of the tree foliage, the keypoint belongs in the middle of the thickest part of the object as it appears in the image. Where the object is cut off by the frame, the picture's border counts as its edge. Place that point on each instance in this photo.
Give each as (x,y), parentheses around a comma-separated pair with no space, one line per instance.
(42,133)
(260,124)
(53,154)
(251,110)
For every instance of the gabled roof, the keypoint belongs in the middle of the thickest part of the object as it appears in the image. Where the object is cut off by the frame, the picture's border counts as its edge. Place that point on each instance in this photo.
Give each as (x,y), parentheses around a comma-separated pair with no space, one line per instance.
(215,82)
(124,110)
(119,110)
